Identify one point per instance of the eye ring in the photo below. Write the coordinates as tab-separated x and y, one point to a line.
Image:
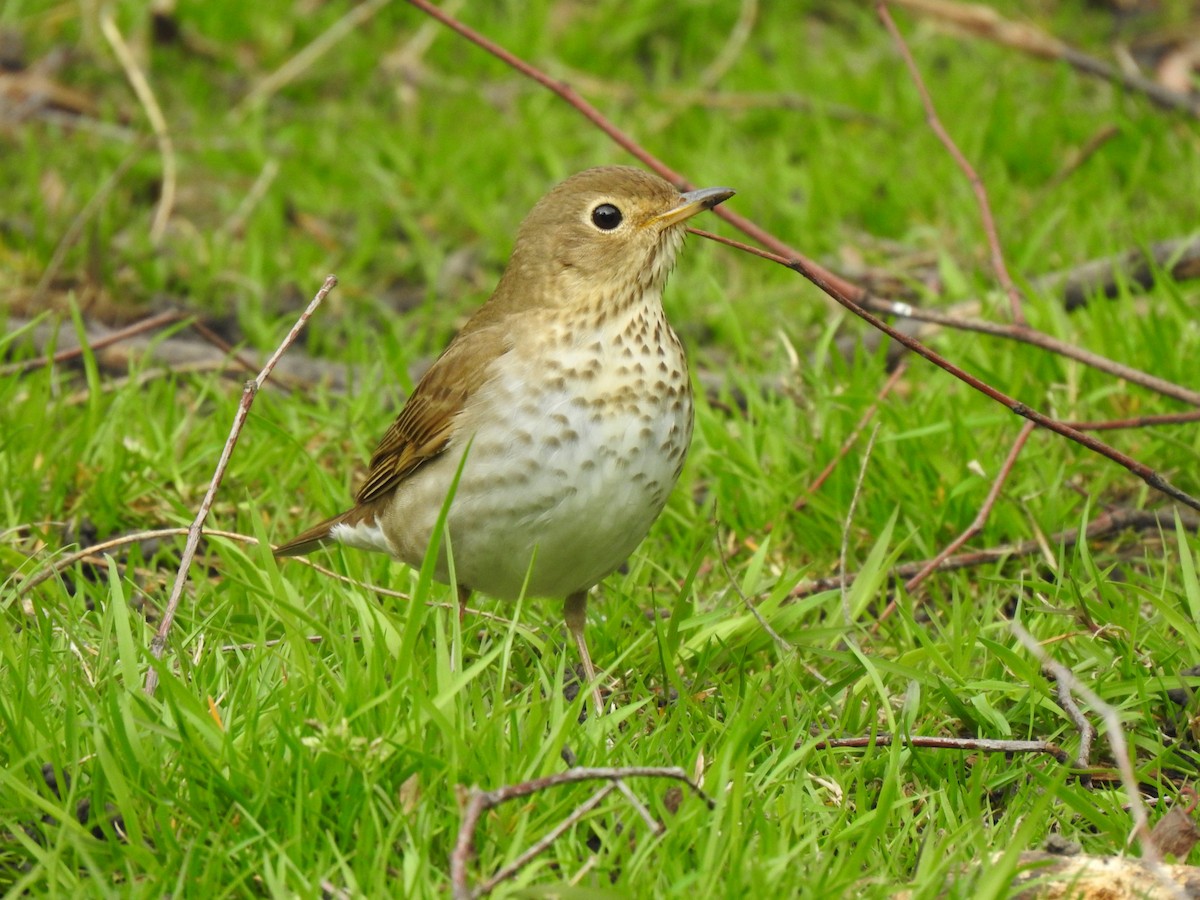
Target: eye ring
606	217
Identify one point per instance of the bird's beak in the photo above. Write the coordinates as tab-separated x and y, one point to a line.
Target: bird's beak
691	203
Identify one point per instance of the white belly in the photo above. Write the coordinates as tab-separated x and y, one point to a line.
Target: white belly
561	483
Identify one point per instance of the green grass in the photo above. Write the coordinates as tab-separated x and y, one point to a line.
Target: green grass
299	767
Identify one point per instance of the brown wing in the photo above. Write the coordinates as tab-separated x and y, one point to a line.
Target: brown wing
420	432
424	426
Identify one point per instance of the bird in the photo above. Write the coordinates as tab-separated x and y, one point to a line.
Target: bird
557	421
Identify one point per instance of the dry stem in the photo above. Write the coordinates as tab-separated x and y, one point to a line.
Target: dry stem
159	643
1106	524
480	802
982	21
984	745
158	122
981	197
1144	472
1115	734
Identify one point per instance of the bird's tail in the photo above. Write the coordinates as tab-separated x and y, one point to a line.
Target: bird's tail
313	539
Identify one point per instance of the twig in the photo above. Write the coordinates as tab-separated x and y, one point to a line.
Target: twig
1087	731
150	323
408	58
158	122
656	827
231	352
627	143
1144	472
984	511
237	221
981	197
986	23
65	562
159	643
541	845
479	802
1078	157
1027	335
732	48
976	526
984	745
310	54
1115	735
1135	269
1102	526
1139	422
750	605
888	385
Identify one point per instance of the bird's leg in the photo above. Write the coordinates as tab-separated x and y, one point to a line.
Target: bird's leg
575	613
464	594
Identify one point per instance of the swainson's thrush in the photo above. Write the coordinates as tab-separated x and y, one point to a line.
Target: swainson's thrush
569	394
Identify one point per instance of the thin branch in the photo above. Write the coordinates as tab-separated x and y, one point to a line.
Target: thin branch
1109	523
1115	734
983	745
541	845
625	142
750	605
305	59
479	802
1087	731
976	526
231	352
732	48
150	323
159	643
977	185
1142	471
984	511
1139	422
984	22
65	562
158	122
1027	335
656	827
1077	158
237	221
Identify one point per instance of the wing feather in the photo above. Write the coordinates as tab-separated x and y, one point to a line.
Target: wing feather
425	425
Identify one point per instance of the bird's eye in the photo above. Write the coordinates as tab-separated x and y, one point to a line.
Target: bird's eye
606	217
